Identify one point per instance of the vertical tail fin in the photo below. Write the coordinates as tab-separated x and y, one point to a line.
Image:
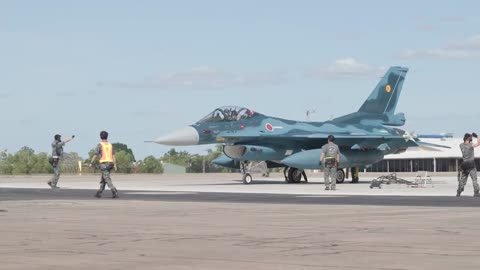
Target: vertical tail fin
384	98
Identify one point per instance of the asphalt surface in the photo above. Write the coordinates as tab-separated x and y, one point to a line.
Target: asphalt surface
26	194
214	222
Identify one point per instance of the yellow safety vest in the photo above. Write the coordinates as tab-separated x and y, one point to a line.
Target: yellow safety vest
107	152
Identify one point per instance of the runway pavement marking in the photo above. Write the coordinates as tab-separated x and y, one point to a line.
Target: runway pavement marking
321	196
161	193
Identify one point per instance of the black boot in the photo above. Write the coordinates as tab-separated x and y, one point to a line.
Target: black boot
114	194
98	194
476	194
458	193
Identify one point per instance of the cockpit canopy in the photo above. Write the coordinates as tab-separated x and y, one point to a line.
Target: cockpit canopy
228	114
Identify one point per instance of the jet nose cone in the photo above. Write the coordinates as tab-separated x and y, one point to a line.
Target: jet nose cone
183	136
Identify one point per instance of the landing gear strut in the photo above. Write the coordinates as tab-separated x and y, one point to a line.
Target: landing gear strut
355	176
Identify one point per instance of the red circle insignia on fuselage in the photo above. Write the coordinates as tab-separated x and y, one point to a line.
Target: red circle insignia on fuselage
268	127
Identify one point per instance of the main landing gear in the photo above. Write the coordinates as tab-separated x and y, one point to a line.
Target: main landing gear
294	175
341	175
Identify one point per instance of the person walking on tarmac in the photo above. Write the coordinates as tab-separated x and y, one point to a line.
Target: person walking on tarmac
468	165
330	158
105	152
57	152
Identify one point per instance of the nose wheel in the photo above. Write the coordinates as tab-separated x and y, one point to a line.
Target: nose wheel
247	179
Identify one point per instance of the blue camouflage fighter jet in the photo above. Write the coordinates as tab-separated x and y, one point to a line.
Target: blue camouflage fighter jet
252	140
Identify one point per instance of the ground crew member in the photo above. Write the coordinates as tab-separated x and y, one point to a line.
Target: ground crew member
330	158
57	152
468	165
105	153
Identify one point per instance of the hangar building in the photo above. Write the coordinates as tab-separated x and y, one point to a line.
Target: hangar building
423	159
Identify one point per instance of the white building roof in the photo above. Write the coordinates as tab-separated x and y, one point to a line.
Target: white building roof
420	152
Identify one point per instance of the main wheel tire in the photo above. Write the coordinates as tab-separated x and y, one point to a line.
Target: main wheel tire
340	176
247	179
295	175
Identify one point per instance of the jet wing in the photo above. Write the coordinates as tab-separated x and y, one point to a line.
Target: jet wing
353	140
302	137
347	136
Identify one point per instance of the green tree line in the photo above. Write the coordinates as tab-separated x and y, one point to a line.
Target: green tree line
195	163
27	161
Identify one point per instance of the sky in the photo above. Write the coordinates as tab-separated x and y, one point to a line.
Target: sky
140	69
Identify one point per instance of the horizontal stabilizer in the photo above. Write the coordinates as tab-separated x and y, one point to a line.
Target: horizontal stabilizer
429	145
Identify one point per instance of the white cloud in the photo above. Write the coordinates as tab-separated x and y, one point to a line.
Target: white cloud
201	78
348	68
464	49
471	43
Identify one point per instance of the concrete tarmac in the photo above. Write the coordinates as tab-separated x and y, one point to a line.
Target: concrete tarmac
159	224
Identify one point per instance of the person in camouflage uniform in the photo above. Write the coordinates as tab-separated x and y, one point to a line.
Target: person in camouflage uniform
468	165
104	151
57	152
330	158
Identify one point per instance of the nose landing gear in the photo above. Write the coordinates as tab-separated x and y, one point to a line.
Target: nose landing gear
250	167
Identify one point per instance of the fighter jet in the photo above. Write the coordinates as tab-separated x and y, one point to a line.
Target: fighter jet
252	140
